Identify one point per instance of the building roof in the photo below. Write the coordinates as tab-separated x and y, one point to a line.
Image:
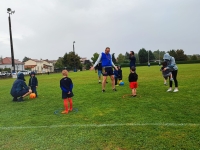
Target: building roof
8	60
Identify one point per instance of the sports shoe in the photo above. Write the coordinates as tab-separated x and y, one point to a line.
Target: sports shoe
175	90
103	91
165	83
20	99
114	89
169	90
171	79
15	99
64	112
71	109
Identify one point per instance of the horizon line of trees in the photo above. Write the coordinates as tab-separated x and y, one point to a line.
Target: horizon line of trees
145	56
72	61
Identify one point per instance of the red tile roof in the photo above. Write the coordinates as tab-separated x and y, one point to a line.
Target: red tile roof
8	60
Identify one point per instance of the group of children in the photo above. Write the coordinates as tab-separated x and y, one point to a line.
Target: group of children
20	89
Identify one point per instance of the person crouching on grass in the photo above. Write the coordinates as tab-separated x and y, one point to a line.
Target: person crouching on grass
20	89
66	86
133	77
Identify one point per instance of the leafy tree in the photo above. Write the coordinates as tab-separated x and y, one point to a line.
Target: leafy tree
72	60
136	57
193	57
180	55
25	59
126	56
120	58
65	60
156	54
143	55
151	56
59	63
113	58
95	57
173	53
87	64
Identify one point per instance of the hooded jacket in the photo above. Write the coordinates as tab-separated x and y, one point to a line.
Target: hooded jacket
171	64
33	80
19	84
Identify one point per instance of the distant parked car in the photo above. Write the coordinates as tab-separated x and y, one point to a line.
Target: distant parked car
25	72
5	73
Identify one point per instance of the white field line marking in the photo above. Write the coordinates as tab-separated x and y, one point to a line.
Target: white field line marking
100	125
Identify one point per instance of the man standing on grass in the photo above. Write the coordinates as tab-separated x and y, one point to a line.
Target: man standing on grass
106	59
132	59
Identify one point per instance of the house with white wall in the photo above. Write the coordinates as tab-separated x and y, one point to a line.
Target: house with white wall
39	66
7	63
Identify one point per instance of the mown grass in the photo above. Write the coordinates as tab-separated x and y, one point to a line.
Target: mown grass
154	119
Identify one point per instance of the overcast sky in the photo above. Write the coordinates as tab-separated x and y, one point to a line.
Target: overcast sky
46	29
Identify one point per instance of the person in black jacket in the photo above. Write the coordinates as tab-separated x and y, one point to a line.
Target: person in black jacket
66	86
33	83
133	77
119	72
132	59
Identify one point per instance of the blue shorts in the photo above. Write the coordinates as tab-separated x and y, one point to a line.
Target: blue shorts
99	73
107	71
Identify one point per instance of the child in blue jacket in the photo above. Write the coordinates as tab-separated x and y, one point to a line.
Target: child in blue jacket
66	86
33	83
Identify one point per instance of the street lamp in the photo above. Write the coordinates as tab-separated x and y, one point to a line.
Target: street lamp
10	12
74	57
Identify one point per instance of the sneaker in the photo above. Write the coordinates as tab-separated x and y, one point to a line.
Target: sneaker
169	90
175	90
165	83
114	89
20	99
103	91
15	99
64	112
71	109
171	79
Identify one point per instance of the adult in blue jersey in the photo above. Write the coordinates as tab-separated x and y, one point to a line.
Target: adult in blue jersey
106	59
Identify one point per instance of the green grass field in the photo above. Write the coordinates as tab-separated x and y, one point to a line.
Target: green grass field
155	119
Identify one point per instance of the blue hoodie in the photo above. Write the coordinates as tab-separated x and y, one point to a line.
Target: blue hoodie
171	64
18	85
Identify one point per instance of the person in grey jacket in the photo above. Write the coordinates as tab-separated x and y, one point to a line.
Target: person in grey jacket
171	65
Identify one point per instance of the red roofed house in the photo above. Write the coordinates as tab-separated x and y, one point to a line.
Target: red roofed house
7	63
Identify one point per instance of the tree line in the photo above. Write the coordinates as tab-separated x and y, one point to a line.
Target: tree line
71	61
